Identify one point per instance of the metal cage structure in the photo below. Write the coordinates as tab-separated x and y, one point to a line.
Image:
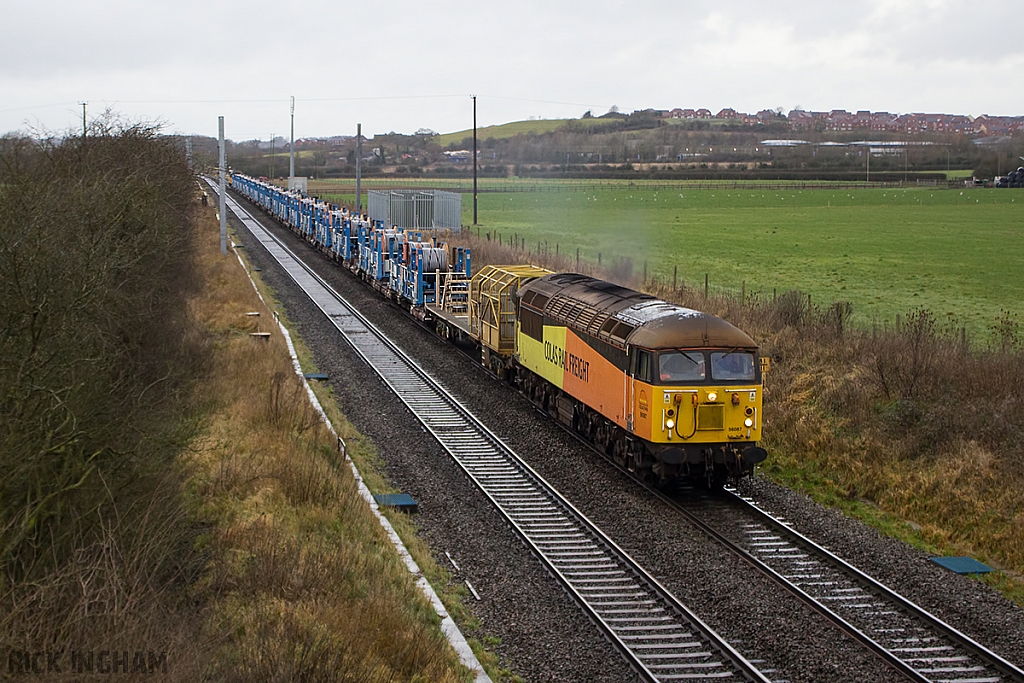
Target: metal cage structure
416	209
492	304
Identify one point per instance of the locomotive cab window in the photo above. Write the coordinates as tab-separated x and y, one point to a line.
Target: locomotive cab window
676	366
735	365
641	365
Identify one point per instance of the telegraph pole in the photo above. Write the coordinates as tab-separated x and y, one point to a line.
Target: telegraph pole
83	118
359	163
474	159
291	154
223	203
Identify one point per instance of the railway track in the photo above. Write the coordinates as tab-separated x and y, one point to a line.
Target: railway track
659	636
907	637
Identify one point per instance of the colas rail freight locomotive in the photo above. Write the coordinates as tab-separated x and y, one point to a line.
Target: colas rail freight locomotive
668	391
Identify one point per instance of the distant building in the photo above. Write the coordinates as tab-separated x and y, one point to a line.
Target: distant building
799	118
840	120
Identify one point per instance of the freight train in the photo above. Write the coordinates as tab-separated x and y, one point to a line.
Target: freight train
669	392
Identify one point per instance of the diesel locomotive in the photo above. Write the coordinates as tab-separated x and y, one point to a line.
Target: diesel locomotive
669	392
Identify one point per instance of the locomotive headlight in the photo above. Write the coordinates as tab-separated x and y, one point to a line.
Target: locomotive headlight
748	423
712	396
670	423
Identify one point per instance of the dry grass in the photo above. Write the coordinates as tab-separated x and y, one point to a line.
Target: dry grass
304	583
903	427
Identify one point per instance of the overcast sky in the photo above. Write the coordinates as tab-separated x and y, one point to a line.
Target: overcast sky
396	65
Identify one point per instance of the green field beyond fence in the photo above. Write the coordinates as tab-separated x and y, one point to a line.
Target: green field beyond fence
959	253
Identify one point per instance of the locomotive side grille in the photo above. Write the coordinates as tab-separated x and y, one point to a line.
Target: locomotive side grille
710	418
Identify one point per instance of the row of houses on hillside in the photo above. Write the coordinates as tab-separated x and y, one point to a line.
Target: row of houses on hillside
764	116
842	120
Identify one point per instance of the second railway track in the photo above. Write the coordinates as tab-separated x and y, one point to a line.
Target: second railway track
909	638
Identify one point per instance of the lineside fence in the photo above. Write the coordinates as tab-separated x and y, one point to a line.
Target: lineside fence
344	187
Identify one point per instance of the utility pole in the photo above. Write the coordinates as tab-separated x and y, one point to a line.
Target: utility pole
359	167
474	159
272	135
83	118
291	154
223	183
868	151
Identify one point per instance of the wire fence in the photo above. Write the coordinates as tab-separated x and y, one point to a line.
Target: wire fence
346	186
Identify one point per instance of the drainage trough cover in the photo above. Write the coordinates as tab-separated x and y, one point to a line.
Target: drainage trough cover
962	565
399	501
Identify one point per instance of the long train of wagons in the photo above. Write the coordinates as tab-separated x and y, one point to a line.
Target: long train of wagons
668	391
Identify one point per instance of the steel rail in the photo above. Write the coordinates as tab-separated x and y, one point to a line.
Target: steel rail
941	666
660	638
763	544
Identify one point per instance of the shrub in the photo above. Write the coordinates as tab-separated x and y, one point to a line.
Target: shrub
95	256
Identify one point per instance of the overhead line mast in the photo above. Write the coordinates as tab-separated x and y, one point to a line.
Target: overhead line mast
291	153
474	159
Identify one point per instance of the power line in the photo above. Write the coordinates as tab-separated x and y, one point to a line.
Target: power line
524	99
41	106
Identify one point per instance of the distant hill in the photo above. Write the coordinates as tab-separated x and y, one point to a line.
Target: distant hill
508	130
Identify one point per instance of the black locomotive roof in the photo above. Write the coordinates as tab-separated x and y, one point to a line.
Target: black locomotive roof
619	315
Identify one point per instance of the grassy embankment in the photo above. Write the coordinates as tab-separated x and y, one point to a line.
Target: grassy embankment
168	489
388	584
304	576
903	427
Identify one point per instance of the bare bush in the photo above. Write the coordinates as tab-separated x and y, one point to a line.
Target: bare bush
96	360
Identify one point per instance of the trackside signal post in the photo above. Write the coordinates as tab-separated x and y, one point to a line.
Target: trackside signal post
223	206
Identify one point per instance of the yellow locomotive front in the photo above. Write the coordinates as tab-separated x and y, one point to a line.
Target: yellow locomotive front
700	409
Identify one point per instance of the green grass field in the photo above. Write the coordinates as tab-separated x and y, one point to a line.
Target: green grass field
886	251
